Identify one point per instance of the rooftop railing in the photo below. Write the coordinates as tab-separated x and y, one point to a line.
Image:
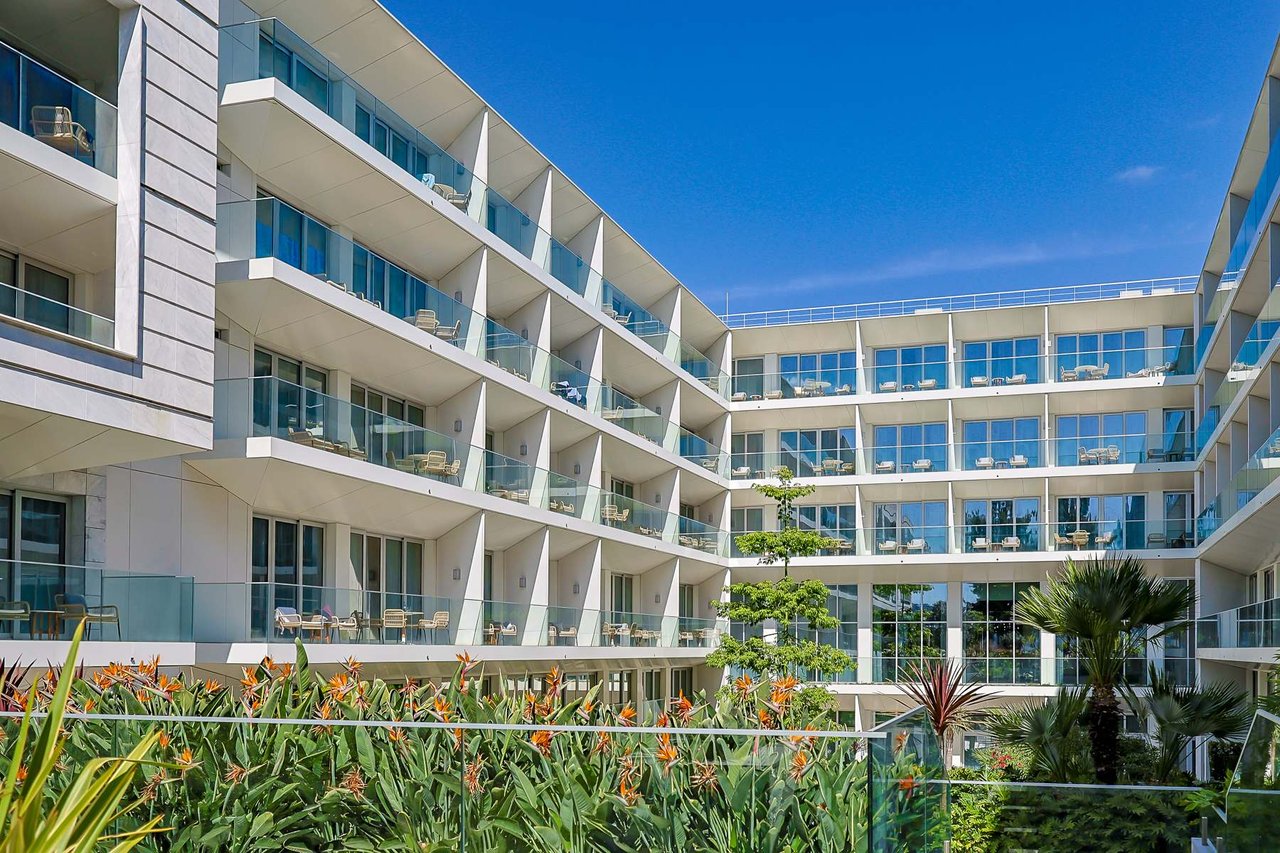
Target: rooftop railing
970	302
43	104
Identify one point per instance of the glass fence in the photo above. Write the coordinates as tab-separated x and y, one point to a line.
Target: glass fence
1258	472
703	369
269	228
995	371
907	459
698	450
1122	448
31	307
43	104
1253	801
1001	453
1137	362
636	517
1001	537
47	601
632	416
1254	626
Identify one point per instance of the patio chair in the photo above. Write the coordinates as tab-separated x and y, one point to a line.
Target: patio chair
1018	460
773	395
623	319
435	462
928	384
1156	540
887	386
1011	543
562	634
1141	373
888	546
1061	542
830	466
507	630
340	624
400	464
844	389
979	382
917	545
844	545
922	465
848	468
395	619
1113	454
741	472
449	333
1102	540
885	467
16	611
980	544
1017	379
317	624
55	126
1085	456
287	619
984	463
615	631
425	320
738	397
74	607
1065	375
455	198
711	463
1079	538
439	621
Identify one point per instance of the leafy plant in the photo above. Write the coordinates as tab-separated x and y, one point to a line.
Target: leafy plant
948	701
77	818
1111	608
1050	732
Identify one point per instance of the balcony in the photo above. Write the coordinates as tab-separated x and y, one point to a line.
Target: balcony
30	308
282	612
46	601
281	143
1259	471
1254	626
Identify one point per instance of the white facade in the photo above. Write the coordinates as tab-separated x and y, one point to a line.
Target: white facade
332	338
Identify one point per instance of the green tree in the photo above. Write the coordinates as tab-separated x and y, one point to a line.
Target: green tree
784	603
1113	609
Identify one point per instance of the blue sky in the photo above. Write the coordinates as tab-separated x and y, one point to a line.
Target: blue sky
850	152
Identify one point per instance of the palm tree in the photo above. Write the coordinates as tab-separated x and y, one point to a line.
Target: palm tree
1183	714
1049	731
1113	609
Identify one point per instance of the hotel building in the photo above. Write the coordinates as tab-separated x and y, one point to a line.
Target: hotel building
299	337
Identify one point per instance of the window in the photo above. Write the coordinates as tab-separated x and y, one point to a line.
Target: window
743	520
911	368
908	625
578	685
1179	529
390	571
653	684
1010	524
621	598
286	570
748	377
38	294
842	603
389	429
918	527
1179	349
998	647
1105	355
622	687
34	535
291	236
1108	438
276	60
818	374
1178	436
1103	521
748	454
1180	645
1006	443
682	682
836	521
811	452
910	447
1010	361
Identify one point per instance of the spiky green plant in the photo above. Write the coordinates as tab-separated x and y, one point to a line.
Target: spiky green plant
1112	609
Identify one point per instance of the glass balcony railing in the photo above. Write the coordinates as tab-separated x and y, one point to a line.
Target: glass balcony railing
269	228
267	406
1122	363
1122	449
997	371
1003	537
701	537
46	601
906	459
698	450
699	633
703	369
511	479
1254	626
632	416
268	49
43	104
623	628
899	378
1259	203
763	465
1002	453
637	517
31	307
1258	472
572	497
790	386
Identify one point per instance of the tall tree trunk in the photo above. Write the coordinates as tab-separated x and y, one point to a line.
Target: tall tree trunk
1103	719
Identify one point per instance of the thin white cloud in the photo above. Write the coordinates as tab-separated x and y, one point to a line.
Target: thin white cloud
1138	174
